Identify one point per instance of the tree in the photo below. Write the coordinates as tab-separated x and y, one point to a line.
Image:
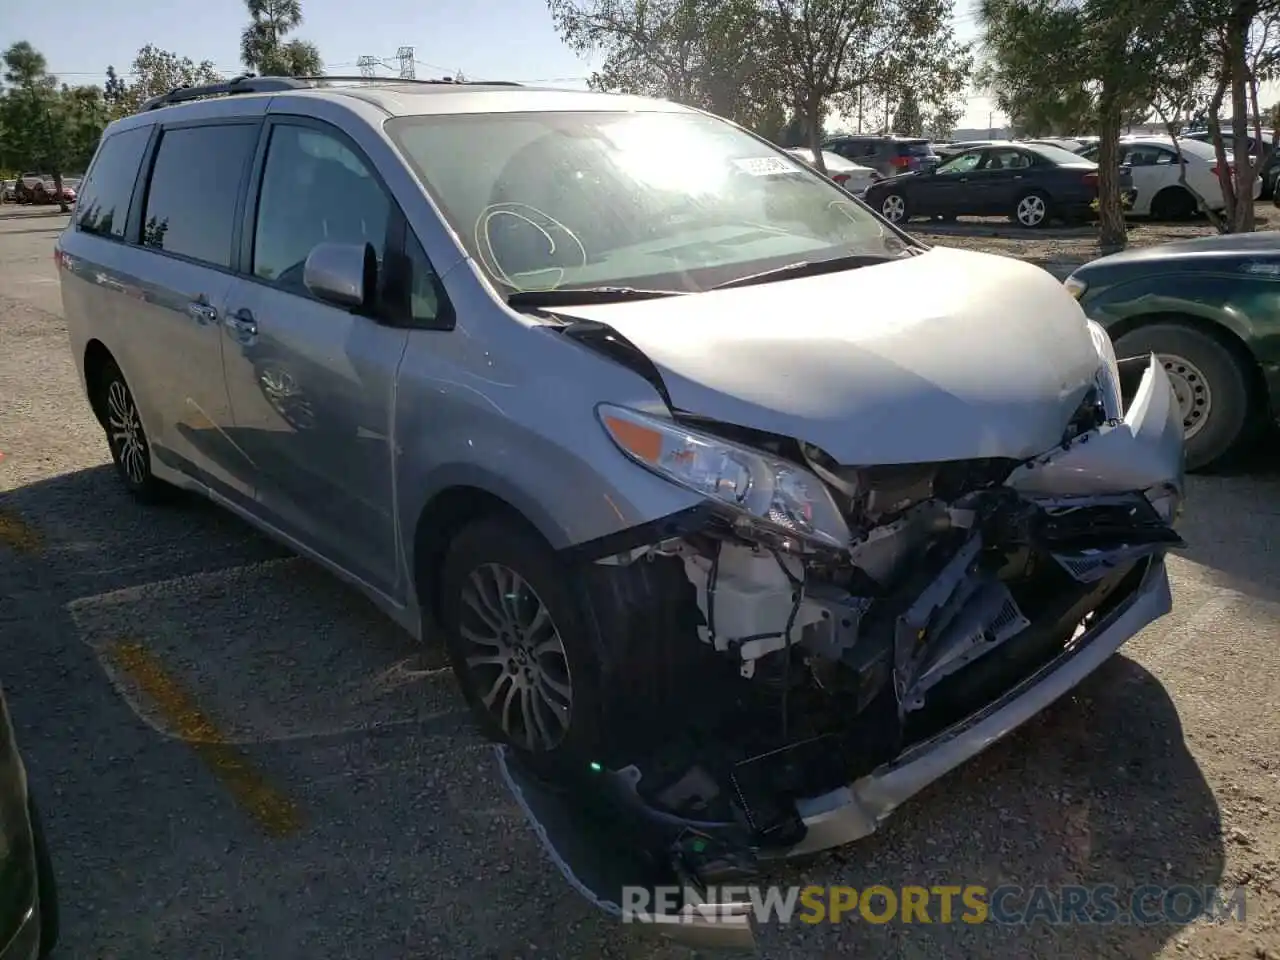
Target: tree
114	90
710	54
157	72
907	119
31	122
1087	62
263	47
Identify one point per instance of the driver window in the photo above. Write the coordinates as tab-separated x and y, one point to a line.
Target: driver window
314	190
961	164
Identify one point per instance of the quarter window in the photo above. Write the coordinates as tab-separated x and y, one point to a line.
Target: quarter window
191	199
102	207
315	189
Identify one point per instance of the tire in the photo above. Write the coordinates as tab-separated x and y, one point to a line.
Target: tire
1032	210
1173	203
46	886
1212	383
628	653
126	438
480	598
893	207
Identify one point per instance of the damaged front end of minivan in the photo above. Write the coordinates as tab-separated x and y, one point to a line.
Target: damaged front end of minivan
866	630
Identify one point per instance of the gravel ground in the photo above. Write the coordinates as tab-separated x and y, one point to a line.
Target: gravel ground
236	757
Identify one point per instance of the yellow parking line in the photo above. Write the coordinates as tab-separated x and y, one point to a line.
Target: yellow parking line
275	813
17	534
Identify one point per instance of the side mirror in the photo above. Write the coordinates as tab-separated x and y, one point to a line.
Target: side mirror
344	274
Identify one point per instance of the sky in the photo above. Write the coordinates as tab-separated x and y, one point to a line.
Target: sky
447	35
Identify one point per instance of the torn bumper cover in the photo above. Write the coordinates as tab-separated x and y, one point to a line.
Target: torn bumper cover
953	624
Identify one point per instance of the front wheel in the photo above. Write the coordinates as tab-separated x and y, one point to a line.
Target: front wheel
1032	210
520	646
894	208
1209	380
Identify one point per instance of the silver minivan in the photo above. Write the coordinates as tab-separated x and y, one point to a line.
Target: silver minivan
743	514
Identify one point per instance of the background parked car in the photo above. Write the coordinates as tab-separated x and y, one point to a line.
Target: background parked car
1209	309
887	155
7	191
852	176
1154	165
946	151
1029	184
1062	143
28	896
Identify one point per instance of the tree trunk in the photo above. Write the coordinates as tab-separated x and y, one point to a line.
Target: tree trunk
1242	188
1215	134
1112	235
813	120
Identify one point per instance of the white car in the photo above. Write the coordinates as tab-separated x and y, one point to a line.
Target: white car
1154	163
852	176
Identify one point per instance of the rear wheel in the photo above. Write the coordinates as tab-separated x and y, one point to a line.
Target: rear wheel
1173	203
126	438
1211	383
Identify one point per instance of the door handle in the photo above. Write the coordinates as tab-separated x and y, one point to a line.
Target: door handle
962	180
201	313
242	325
1018	177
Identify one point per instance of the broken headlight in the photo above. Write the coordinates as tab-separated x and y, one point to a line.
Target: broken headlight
1108	376
769	490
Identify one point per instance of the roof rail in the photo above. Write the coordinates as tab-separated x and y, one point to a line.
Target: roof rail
446	80
251	83
246	83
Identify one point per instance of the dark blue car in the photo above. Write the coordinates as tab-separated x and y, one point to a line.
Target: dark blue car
1029	183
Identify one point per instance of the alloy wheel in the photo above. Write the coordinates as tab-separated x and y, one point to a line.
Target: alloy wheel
1195	398
1031	210
515	657
124	428
893	208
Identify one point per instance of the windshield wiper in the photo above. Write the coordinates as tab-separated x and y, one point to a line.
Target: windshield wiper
582	296
807	268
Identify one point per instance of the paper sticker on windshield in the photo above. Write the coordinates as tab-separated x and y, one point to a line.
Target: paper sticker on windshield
1262	268
765	166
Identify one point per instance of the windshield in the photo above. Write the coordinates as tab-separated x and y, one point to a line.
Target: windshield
660	200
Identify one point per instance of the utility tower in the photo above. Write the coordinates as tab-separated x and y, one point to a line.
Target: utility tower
405	56
368	66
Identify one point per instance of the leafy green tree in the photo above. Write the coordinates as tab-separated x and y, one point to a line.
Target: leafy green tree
263	46
710	54
32	111
907	119
157	72
1087	62
113	91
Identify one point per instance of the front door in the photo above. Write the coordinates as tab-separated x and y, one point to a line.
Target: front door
998	181
188	222
945	191
312	384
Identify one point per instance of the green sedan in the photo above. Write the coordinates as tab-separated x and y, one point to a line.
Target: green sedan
1209	309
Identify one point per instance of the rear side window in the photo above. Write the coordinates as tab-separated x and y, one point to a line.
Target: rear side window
915	148
191	199
103	205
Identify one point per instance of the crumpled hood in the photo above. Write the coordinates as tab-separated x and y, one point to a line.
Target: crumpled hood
948	355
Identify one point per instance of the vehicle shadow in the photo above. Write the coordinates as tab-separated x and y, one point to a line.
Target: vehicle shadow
1064	802
1232	520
